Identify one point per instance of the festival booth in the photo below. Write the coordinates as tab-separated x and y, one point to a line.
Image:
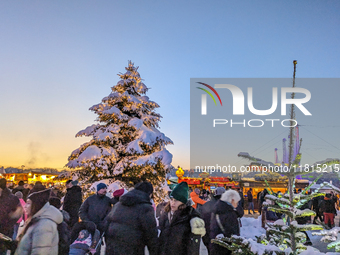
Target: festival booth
275	186
47	177
205	181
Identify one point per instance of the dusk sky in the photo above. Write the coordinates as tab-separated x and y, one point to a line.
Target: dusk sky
58	58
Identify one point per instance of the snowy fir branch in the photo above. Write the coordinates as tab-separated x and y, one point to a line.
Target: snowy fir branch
242	246
332	237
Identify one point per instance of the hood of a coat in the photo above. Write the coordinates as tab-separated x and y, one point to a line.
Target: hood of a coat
222	207
134	197
49	212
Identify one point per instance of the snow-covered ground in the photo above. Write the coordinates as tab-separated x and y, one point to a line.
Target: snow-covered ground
251	227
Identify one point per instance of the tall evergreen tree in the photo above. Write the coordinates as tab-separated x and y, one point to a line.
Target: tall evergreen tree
126	144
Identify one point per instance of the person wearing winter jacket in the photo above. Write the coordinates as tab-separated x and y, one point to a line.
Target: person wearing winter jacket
72	201
96	207
224	220
250	201
196	199
132	223
40	234
206	212
316	202
180	225
262	199
328	208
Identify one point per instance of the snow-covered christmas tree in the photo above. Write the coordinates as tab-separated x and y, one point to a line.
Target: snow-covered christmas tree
126	144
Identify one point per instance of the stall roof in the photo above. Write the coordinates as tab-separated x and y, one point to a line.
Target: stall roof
327	187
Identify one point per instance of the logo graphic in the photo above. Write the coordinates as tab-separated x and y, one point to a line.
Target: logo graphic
204	97
238	99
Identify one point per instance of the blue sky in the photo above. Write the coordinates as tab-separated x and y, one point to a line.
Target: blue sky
61	57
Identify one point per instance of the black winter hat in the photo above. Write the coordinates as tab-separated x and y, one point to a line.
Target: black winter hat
145	187
39	199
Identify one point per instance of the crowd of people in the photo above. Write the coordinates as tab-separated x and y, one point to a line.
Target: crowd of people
40	220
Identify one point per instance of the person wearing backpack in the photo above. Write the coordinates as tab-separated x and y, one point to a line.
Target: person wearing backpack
40	234
64	230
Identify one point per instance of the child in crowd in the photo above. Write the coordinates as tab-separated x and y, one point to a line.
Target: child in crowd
82	244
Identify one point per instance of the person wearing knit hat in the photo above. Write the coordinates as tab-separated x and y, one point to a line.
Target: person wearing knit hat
96	207
40	234
101	186
181	192
180	224
39	199
117	194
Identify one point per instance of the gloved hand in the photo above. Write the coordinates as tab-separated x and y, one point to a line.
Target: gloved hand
219	236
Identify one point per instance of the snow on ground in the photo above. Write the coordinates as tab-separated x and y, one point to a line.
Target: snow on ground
312	251
251	227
